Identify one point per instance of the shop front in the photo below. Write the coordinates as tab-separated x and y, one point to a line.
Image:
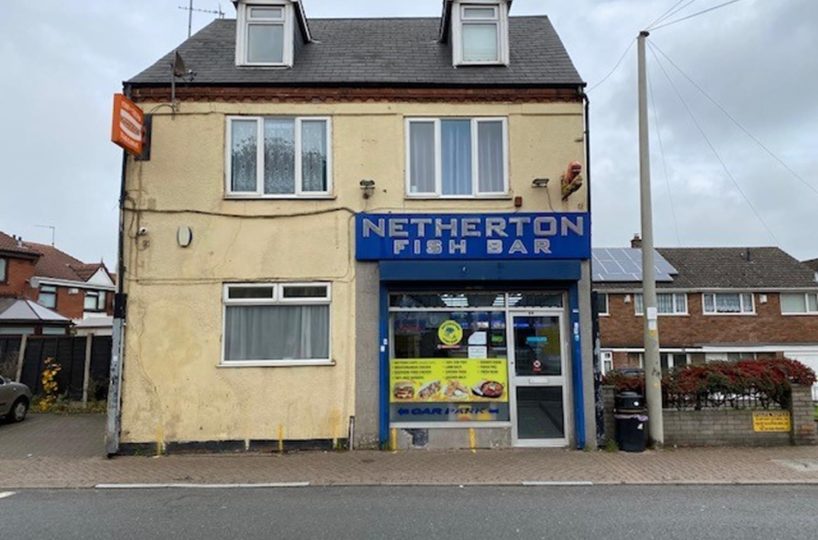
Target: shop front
480	334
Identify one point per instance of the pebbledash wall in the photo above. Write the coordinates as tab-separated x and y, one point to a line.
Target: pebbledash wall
175	389
727	427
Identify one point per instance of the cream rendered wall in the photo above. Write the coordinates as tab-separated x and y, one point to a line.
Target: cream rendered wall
173	389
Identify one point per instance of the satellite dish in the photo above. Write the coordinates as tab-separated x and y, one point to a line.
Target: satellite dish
179	67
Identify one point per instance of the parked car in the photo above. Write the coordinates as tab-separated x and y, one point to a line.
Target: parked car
15	399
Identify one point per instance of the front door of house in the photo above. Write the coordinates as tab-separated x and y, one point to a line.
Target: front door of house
537	375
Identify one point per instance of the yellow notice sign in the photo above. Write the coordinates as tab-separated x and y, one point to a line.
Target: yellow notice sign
448	380
450	332
771	421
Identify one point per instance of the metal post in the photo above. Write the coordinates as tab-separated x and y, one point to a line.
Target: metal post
653	370
21	357
190	19
86	375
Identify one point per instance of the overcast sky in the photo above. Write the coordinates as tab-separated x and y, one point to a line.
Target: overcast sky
61	61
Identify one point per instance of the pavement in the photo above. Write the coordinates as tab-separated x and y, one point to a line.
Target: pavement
50	451
483	512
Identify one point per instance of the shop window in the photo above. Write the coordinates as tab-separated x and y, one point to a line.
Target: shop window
457	157
264	34
728	303
276	324
272	157
666	304
797	303
94	301
48	296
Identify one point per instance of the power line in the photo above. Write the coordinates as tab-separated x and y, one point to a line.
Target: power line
736	122
670	12
618	62
713	148
702	12
664	161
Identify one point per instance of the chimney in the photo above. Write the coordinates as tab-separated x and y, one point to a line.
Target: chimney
636	241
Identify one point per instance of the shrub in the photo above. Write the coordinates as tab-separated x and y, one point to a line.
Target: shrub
735	384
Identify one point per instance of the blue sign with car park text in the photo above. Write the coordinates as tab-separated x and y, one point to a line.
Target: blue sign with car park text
556	235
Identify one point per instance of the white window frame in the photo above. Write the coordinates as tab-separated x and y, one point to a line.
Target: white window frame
676	312
501	20
259	192
4	266
277	298
795	313
740	294
475	165
55	292
100	295
243	20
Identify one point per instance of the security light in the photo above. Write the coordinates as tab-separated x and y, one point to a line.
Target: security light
368	187
540	182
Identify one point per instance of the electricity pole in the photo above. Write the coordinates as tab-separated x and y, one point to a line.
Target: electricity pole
653	369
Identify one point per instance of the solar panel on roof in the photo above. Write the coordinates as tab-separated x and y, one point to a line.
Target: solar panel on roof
625	265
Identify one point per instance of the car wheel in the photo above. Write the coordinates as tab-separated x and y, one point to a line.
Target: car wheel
19	410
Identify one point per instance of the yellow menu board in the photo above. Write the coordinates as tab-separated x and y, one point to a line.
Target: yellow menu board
414	380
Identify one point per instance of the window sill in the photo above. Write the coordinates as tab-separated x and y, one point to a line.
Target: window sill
730	314
500	197
254	197
264	65
807	314
277	363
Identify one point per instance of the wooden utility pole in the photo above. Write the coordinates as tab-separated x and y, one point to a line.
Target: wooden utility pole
653	368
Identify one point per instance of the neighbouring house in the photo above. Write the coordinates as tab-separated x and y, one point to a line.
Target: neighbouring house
812	263
77	291
714	304
20	316
342	235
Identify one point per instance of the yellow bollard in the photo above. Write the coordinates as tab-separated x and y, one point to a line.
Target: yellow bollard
472	441
280	439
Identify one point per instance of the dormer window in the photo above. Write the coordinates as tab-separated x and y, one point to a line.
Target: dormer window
264	34
480	33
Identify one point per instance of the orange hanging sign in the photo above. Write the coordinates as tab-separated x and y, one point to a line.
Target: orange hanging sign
128	123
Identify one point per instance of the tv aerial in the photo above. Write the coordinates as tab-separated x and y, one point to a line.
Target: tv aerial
190	9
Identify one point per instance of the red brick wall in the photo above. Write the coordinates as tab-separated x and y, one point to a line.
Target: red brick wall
622	328
18	274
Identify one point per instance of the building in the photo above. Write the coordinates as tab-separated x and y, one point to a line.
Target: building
77	291
812	263
373	231
715	304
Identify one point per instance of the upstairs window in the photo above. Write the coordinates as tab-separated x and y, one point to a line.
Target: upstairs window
799	303
3	275
728	304
278	157
48	296
94	301
264	34
481	33
666	304
457	157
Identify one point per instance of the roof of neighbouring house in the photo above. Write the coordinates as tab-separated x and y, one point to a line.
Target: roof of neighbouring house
812	263
21	310
730	268
397	51
57	264
11	246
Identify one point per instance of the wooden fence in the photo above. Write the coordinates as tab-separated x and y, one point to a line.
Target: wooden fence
85	363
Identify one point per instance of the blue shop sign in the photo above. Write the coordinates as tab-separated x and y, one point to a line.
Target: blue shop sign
565	235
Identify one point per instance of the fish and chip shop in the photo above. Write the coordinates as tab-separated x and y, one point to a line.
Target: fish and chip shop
483	330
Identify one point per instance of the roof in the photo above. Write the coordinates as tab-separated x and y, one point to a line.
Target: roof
812	263
625	264
403	51
731	268
27	311
11	246
57	264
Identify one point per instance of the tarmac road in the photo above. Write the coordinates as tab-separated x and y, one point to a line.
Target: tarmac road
559	512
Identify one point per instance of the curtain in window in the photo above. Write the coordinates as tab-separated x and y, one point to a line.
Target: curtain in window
812	302
681	303
480	42
456	156
490	156
664	303
793	303
421	157
709	303
265	43
276	333
243	161
728	303
747	302
314	155
279	156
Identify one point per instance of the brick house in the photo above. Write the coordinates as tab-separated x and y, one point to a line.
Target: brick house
715	304
57	281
